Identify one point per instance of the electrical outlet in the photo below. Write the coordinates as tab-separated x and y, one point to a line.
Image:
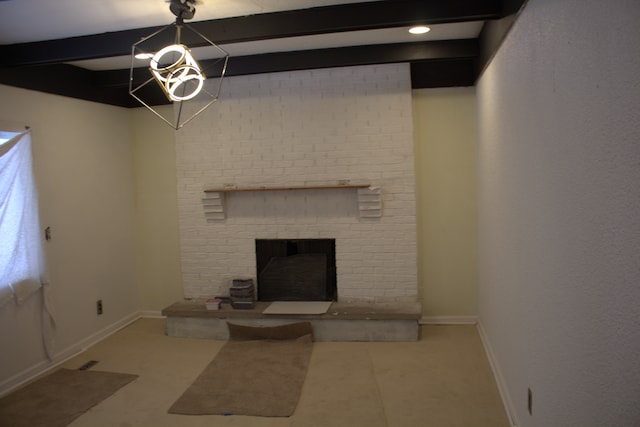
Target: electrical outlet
530	401
99	307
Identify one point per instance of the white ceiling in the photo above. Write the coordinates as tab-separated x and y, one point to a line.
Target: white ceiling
24	21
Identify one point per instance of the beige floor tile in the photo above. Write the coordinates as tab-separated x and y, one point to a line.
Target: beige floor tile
442	380
340	389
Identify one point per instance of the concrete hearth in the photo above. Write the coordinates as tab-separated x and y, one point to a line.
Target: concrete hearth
342	322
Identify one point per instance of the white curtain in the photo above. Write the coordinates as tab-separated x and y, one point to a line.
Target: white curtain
22	264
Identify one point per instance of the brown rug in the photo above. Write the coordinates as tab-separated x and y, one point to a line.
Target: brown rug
59	398
259	372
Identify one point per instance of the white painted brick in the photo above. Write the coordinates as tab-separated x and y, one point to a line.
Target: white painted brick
315	126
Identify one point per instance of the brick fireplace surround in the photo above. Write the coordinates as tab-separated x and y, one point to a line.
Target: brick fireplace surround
303	128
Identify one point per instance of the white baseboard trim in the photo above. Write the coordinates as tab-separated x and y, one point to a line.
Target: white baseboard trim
12	383
448	320
502	385
153	314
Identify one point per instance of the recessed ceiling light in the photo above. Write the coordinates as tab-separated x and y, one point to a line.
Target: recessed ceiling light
144	56
419	30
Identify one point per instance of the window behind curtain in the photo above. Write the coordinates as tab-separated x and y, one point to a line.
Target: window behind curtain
21	254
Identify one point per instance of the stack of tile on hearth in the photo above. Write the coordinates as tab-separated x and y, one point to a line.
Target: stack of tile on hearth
242	294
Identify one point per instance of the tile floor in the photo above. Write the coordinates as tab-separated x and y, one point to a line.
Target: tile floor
442	380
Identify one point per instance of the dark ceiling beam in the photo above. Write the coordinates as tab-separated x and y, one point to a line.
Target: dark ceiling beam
442	61
65	80
455	52
318	20
494	32
445	73
352	56
320	58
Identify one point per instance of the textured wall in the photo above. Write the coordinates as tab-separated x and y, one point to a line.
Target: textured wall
559	213
296	128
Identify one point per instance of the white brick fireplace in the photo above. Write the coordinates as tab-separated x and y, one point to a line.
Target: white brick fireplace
296	129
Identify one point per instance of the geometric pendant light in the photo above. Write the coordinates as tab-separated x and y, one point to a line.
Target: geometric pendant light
163	66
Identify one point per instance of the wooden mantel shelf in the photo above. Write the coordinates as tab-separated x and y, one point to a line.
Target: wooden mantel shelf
305	187
369	199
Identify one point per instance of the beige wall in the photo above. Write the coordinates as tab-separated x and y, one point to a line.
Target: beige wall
158	272
83	170
445	132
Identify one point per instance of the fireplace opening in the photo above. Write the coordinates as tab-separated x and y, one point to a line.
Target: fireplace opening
296	269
